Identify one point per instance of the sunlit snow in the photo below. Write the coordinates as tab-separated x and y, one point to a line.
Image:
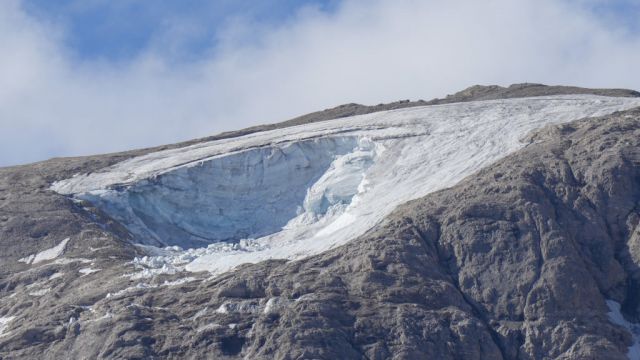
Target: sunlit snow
88	271
4	323
616	317
298	191
40	292
48	254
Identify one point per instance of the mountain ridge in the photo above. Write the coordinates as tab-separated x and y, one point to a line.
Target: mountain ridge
472	93
519	260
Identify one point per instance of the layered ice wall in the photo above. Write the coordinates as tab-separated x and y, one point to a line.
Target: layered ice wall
246	194
298	191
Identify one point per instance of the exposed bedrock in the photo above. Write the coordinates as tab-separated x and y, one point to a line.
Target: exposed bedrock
522	260
515	262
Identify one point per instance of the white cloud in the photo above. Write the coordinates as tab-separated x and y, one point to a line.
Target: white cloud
367	52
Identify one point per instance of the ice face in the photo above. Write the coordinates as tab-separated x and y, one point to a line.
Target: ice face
247	194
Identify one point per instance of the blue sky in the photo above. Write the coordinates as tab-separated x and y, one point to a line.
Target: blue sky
119	30
89	76
622	13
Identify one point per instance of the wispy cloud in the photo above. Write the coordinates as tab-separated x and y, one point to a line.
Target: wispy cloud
52	104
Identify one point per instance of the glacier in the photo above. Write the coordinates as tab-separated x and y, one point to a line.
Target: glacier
298	191
247	194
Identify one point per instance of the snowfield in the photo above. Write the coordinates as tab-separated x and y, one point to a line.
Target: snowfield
48	254
298	191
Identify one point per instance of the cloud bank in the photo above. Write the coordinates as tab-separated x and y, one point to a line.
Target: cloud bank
52	104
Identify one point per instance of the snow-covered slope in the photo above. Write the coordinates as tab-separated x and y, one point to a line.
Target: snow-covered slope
298	191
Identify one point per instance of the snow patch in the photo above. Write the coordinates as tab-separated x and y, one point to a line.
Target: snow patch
143	285
222	309
616	317
39	292
200	313
92	249
275	304
27	259
107	315
208	327
180	281
4	323
45	255
242	307
56	275
87	271
65	261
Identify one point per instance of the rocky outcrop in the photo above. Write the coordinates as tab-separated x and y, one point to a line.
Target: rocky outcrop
515	262
473	93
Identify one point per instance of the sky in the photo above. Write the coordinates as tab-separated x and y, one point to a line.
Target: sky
81	77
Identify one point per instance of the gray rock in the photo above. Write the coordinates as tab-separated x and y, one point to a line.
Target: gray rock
515	262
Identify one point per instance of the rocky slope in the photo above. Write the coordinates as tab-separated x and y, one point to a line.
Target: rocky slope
515	262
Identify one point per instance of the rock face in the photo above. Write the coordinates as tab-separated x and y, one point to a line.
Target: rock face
515	262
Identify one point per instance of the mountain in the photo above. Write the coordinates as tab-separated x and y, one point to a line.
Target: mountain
496	223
